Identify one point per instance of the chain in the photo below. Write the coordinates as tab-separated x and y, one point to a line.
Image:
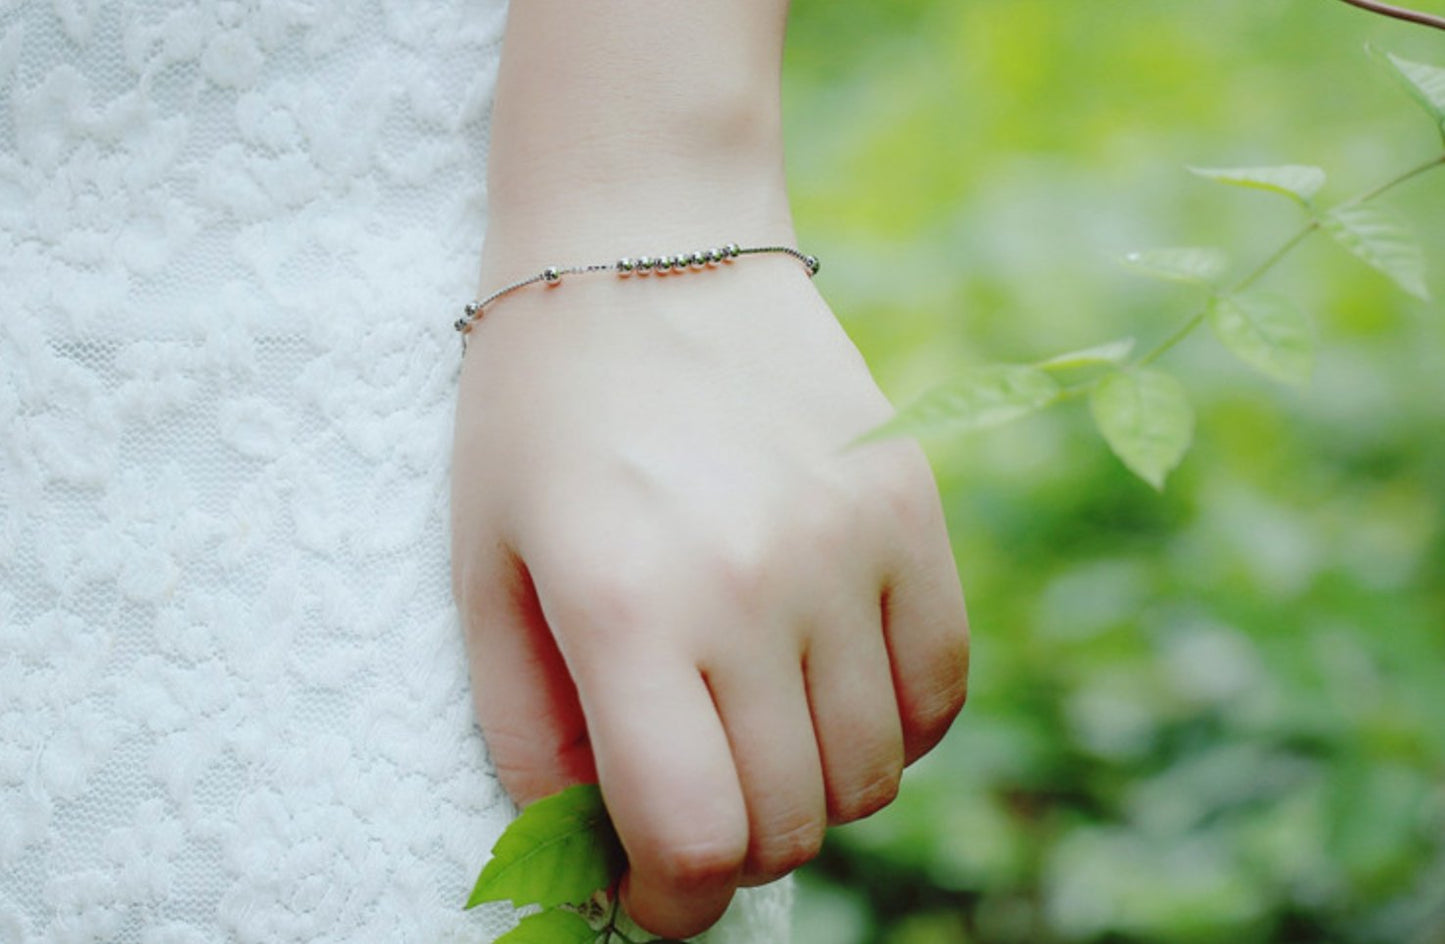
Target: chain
629	266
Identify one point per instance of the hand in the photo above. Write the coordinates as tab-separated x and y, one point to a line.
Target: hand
678	579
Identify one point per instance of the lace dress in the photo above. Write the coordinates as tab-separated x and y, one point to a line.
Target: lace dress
233	699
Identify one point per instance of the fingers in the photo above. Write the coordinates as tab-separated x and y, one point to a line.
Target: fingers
723	754
855	715
526	703
764	709
924	621
671	787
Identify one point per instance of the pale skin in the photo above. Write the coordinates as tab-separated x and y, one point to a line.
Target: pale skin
677	577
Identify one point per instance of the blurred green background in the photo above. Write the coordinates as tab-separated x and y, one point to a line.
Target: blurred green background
1212	715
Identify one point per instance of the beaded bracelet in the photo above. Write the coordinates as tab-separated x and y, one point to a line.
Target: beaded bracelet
627	266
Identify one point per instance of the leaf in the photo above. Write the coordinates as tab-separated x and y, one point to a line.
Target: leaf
560	850
1111	352
990	396
1145	417
1379	238
1296	181
1425	82
1266	332
1195	265
554	926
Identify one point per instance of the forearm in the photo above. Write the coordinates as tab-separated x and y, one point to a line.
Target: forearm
624	128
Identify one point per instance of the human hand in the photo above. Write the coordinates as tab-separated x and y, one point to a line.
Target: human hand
678	579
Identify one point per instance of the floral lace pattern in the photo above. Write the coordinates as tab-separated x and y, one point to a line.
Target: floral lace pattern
233	698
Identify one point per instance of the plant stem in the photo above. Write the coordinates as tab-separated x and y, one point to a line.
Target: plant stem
1285	248
611	926
1163	347
1396	181
613	931
1399	13
1275	258
1187	328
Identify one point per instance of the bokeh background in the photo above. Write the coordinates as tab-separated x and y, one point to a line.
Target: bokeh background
1216	714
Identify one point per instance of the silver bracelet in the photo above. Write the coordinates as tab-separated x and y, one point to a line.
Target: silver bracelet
628	266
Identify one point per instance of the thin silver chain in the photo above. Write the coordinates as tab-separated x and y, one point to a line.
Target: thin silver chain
632	266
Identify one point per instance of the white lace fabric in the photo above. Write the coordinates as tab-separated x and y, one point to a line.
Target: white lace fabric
233	698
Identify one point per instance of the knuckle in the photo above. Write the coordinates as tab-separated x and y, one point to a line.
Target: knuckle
744	570
825	517
909	491
875	793
595	588
932	710
532	765
948	696
694	863
953	669
832	514
782	851
524	782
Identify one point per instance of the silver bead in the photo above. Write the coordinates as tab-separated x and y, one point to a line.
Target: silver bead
714	256
624	266
552	275
664	263
462	324
812	263
645	264
473	309
699	259
733	250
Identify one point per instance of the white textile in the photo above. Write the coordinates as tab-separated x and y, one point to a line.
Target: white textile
233	699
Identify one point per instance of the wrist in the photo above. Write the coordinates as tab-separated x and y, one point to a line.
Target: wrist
599	199
602	230
614	134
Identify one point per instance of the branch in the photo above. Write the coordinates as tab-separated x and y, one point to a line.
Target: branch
1197	319
1400	13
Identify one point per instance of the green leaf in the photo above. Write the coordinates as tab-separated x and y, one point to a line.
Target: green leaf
1382	240
990	396
1195	265
550	927
1145	417
1425	82
1267	332
560	850
1111	352
1296	181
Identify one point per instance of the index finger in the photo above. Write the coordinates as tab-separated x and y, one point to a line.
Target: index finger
669	780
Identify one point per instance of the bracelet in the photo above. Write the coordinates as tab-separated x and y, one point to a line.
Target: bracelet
627	266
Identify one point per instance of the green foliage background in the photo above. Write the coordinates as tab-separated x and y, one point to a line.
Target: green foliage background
1216	714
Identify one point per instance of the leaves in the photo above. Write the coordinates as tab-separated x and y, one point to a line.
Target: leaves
1145	417
1379	238
1267	332
1194	265
1425	82
554	926
990	396
561	850
1111	352
1297	181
